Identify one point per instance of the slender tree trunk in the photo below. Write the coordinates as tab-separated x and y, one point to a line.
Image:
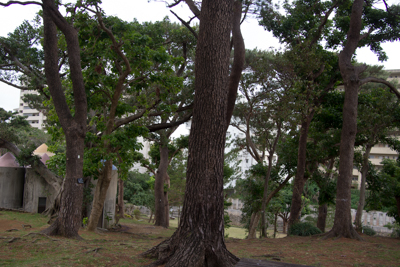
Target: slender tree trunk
275	221
342	226
361	202
322	213
398	204
199	240
300	179
285	225
120	207
255	217
168	184
100	195
263	226
160	201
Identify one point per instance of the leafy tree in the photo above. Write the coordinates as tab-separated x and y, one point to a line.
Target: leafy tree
263	113
138	190
367	26
384	189
303	28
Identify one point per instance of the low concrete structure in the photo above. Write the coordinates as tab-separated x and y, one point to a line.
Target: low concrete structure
38	194
11	187
12	178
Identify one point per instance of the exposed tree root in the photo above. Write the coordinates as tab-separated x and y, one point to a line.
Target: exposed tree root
41	234
350	233
13	239
191	251
55	230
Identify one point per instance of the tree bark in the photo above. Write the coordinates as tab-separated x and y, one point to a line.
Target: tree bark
160	201
69	220
361	202
322	213
300	179
199	240
398	205
99	196
342	226
121	205
255	217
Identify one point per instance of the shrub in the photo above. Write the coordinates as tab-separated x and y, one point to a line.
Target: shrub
304	229
137	214
368	231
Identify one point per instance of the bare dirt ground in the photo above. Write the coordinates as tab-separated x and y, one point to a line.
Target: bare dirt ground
122	248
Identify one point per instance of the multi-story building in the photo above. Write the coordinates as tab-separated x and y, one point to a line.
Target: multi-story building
379	151
33	116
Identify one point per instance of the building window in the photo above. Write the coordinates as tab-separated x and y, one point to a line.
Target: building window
354	178
247	161
371	157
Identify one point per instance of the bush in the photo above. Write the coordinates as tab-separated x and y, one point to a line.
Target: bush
137	214
368	231
304	229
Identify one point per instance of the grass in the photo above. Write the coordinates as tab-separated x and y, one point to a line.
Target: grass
123	248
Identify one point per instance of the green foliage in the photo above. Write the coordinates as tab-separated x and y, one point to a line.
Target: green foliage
368	230
384	188
138	189
304	229
396	229
137	214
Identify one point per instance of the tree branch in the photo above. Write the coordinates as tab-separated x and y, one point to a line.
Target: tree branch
186	24
9	3
160	126
193	8
378	80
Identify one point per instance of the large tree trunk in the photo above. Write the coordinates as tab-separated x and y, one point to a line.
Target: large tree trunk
99	197
361	202
69	220
300	179
69	217
160	201
322	213
342	226
199	240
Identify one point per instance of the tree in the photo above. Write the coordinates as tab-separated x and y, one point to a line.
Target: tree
199	240
303	28
383	31
384	189
263	113
376	109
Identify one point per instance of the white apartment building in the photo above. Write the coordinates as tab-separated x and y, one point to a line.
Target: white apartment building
33	116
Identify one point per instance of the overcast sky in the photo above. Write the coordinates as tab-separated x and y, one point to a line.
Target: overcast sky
254	35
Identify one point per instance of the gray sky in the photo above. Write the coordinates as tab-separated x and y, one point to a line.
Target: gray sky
254	35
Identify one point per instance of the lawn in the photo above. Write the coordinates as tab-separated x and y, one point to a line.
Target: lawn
25	247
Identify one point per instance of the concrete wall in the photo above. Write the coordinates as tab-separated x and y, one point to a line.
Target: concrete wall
35	187
11	187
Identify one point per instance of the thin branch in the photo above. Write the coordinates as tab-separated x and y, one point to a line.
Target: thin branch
193	8
14	85
186	24
160	126
9	3
174	4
